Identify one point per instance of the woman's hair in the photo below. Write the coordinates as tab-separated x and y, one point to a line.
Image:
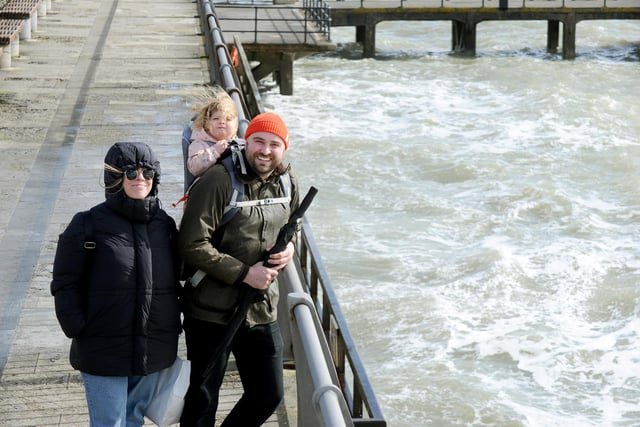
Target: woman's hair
117	183
210	100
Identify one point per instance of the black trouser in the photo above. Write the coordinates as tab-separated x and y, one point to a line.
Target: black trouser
258	354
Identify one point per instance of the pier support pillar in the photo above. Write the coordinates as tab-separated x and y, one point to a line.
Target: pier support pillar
280	66
553	31
360	29
569	37
463	38
369	42
284	74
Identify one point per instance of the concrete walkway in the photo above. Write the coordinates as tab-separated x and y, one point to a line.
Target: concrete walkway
96	72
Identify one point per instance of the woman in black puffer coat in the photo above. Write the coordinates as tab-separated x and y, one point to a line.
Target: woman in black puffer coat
115	283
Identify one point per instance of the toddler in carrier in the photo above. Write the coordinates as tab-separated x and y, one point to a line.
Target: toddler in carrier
215	124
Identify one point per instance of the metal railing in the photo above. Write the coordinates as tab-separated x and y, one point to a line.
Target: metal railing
501	4
352	376
320	13
303	23
335	384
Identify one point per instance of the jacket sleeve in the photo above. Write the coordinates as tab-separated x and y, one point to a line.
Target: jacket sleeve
67	285
200	220
201	155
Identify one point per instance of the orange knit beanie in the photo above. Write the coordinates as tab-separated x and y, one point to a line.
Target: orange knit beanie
268	122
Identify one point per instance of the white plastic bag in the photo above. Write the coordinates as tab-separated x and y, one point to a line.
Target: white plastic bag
166	405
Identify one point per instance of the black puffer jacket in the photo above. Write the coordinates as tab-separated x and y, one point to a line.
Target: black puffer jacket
122	312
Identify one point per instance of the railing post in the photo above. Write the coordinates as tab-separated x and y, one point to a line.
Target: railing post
255	24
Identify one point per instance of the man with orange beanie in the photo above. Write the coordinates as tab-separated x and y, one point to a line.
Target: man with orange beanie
232	255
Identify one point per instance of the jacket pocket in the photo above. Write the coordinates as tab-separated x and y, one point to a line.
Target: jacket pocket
215	296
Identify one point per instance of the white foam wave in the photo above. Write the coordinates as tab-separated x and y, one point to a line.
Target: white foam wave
479	220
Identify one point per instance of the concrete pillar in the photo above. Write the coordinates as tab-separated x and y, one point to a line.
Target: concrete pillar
457	36
463	37
15	47
42	8
25	34
553	31
360	30
470	39
569	37
34	21
285	74
5	57
369	42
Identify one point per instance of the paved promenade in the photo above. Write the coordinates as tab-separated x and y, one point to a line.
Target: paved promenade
96	72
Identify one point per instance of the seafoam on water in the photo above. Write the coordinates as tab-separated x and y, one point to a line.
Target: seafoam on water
479	219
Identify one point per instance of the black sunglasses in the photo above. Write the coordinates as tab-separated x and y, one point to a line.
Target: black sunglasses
132	174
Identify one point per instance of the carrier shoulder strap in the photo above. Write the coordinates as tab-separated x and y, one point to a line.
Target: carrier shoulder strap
185	141
236	201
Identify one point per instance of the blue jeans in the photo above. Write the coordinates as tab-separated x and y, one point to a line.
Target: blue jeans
117	401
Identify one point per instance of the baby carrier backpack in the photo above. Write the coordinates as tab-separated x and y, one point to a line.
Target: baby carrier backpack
229	158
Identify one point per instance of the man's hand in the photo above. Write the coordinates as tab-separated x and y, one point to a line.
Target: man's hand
260	277
281	259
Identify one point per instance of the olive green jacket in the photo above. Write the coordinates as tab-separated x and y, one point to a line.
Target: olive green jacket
226	253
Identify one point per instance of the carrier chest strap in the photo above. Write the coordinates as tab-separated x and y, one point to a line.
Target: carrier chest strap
259	202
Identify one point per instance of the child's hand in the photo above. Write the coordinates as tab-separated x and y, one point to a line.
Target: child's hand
221	146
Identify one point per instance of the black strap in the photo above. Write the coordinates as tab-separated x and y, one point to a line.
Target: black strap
89	246
89	241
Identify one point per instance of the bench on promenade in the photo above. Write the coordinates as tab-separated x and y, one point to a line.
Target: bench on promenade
18	18
9	40
26	10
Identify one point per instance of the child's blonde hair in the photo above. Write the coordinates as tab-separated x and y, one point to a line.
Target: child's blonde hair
213	99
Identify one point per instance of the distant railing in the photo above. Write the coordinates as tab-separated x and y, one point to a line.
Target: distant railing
500	4
313	19
320	14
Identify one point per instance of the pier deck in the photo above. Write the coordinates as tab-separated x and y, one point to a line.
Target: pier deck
96	72
466	14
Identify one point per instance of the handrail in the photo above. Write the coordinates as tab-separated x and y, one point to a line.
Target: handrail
360	405
324	403
360	397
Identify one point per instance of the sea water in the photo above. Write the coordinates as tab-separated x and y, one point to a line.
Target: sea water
480	218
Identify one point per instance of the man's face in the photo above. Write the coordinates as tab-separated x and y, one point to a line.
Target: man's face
264	152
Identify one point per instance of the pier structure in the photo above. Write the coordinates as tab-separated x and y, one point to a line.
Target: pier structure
276	33
465	15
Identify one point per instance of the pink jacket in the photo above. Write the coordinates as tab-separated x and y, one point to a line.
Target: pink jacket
204	151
